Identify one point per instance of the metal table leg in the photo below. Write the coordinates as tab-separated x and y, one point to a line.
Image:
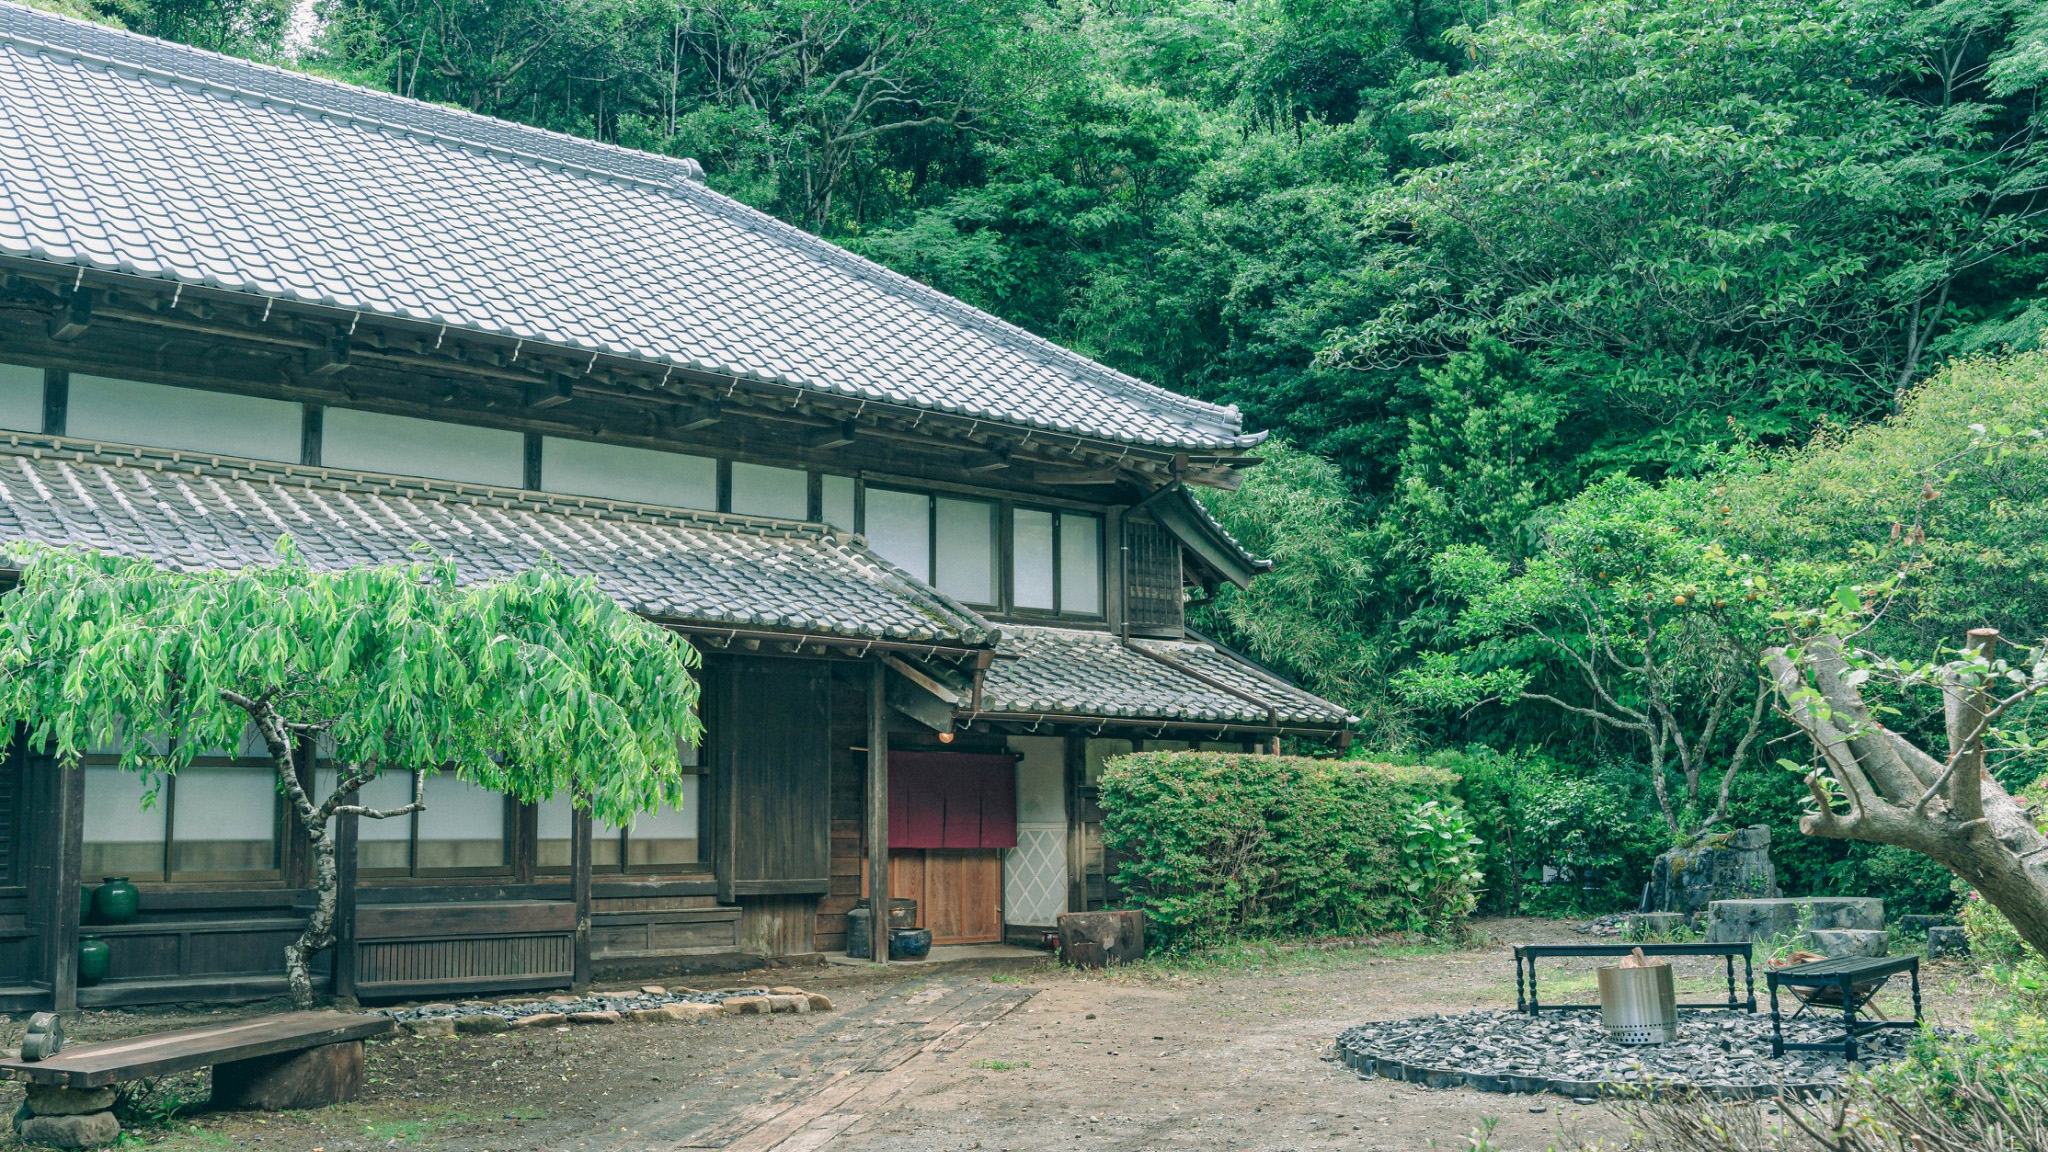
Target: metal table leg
1848	1019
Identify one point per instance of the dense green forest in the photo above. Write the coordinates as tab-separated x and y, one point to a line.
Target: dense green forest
1513	283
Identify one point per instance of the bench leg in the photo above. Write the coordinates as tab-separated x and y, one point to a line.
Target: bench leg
1848	1020
1777	1021
314	1078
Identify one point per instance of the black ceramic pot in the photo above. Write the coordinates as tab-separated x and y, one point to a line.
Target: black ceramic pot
910	943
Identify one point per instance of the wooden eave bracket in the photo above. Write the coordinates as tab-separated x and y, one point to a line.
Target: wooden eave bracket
553	392
73	317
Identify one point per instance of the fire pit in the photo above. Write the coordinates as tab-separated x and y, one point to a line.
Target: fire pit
1638	1001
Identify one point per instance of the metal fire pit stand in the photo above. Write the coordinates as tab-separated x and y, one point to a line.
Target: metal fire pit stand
1526	955
1842	976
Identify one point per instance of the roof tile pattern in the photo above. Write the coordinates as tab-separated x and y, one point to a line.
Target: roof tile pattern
192	512
1069	671
122	153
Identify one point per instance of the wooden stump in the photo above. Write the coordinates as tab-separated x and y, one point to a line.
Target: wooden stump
314	1078
1096	939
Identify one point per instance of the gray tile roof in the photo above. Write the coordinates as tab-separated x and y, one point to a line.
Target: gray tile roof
1071	671
193	511
122	153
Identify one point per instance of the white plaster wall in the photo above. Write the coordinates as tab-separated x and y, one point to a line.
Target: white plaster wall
187	419
616	472
1035	871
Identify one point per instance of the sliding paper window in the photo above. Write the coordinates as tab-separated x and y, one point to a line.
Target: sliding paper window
217	820
667	840
947	541
1056	563
463	830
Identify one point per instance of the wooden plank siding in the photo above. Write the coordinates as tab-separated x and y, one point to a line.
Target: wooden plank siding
772	757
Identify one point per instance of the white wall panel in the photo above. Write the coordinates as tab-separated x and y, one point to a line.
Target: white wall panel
21	398
404	446
759	490
581	468
187	419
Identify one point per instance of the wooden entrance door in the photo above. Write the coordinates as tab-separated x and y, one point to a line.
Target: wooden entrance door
959	892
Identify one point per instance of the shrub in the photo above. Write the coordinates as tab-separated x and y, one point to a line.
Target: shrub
1220	844
1532	813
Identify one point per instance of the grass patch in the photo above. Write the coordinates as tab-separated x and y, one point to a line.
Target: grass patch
1269	956
1002	1065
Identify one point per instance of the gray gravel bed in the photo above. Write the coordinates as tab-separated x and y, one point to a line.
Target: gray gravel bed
620	1002
1724	1054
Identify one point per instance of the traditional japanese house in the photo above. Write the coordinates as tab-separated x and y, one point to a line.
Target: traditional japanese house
936	565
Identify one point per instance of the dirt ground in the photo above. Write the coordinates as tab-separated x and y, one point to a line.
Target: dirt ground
1229	1056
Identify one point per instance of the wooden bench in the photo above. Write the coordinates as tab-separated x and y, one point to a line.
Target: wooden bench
296	1060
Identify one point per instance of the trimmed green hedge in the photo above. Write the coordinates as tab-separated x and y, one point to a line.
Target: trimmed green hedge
1220	844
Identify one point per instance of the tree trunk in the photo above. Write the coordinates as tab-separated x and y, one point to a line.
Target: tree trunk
319	933
1951	811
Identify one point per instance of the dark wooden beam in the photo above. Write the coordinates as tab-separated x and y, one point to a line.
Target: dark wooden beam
56	401
329	359
344	962
67	821
1070	476
73	317
878	813
987	461
579	887
698	416
837	436
553	392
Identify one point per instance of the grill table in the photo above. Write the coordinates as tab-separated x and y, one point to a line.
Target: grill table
1527	954
1841	976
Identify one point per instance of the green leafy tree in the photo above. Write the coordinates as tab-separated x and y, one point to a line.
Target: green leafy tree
1692	212
534	686
1633	615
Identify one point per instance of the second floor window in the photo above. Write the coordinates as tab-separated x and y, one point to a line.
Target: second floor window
948	542
1056	562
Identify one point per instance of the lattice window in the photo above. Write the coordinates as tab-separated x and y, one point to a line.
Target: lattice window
1152	597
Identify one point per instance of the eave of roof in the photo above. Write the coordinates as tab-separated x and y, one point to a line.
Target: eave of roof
1181	513
697	570
1064	674
1168	420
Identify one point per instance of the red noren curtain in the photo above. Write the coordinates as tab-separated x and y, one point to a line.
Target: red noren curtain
952	800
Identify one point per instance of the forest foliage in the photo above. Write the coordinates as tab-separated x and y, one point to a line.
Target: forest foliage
1516	284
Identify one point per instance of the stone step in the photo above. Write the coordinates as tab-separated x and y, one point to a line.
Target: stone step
1733	921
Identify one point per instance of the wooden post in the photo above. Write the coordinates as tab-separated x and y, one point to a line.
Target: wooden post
878	813
68	823
346	828
1077	841
579	888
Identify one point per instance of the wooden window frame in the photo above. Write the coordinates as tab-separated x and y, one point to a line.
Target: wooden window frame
1059	595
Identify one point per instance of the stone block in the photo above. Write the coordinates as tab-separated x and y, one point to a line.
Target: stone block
541	1020
653	990
1856	942
313	1078
786	990
648	1015
1728	866
430	1026
88	1130
785	1002
564	998
1734	921
606	1016
746	1005
819	1001
56	1100
1644	925
1945	941
690	1013
482	1024
1096	939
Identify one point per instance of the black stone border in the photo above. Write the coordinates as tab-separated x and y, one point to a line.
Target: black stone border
1387	1068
